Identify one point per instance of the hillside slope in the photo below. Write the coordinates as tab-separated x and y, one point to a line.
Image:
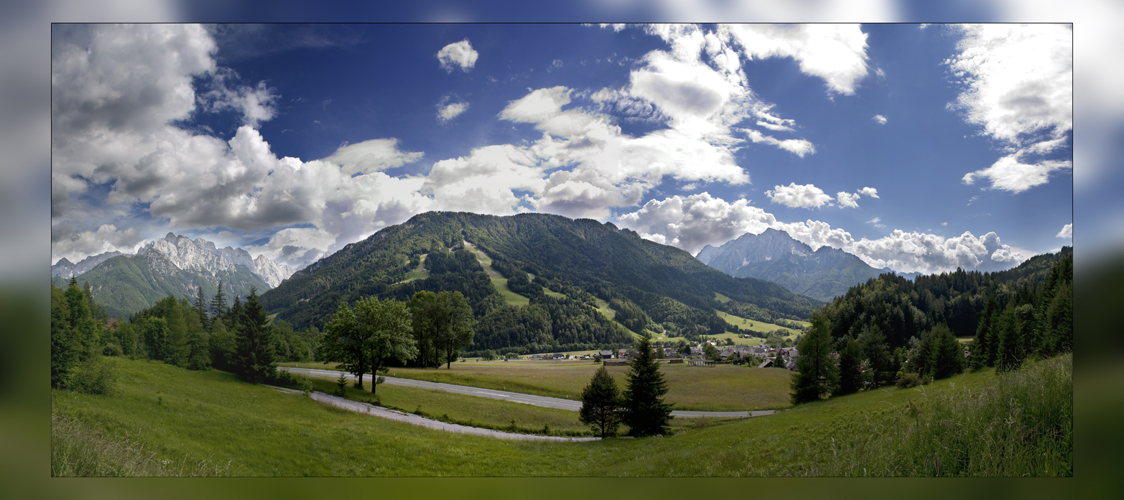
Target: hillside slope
652	286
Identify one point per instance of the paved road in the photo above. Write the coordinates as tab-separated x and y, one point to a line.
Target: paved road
409	418
544	401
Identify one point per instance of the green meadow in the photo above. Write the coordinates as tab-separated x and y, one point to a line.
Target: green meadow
974	424
718	388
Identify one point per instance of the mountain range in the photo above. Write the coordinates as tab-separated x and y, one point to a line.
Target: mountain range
172	265
543	257
777	257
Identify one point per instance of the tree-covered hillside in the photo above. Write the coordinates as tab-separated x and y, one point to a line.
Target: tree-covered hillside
656	287
902	309
127	284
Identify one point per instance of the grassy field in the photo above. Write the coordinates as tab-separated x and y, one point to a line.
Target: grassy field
498	280
973	424
417	274
719	388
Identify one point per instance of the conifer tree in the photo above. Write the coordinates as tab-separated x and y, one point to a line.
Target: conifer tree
255	342
645	413
201	308
946	357
218	306
601	405
817	374
850	367
64	346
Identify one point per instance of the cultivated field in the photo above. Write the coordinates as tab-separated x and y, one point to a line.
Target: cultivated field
719	388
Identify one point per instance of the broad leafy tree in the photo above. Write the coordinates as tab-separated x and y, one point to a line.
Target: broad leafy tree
601	404
817	374
343	343
388	333
645	413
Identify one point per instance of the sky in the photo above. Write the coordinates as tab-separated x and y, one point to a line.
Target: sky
922	148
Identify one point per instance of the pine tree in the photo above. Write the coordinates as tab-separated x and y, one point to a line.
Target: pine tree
218	306
645	413
946	357
64	345
601	405
201	308
817	374
983	351
850	367
255	342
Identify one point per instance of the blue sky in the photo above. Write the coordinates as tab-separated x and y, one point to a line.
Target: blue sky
909	146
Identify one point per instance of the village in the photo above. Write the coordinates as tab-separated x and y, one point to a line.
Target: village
761	356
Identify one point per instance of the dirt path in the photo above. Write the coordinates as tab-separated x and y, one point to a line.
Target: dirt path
409	418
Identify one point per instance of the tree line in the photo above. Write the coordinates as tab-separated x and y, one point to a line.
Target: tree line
866	339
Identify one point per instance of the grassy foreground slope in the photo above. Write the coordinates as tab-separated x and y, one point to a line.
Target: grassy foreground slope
975	424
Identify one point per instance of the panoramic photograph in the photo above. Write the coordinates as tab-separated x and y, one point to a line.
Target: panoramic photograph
561	250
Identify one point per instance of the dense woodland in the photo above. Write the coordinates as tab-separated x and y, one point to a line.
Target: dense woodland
892	330
650	287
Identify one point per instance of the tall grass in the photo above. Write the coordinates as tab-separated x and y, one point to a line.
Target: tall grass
80	450
1021	424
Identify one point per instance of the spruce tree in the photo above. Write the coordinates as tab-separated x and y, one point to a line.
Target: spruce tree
946	357
601	405
645	413
64	345
850	367
817	374
218	306
255	342
201	308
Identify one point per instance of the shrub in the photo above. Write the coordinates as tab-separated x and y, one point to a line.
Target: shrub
96	375
112	350
909	380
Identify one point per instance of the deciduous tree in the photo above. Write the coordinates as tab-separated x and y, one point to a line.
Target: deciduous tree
389	333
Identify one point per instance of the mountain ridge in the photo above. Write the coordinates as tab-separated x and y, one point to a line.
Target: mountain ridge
661	288
776	256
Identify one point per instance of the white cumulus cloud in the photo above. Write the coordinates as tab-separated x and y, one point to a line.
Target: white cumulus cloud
846	199
459	54
446	112
1018	86
834	52
869	191
880	119
1010	174
798	196
692	222
1066	232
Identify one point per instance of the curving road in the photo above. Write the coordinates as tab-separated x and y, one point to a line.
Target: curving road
515	397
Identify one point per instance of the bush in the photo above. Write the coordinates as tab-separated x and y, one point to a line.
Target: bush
96	375
112	350
908	380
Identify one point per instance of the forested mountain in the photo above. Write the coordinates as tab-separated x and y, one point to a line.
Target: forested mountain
775	256
901	309
173	265
650	286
